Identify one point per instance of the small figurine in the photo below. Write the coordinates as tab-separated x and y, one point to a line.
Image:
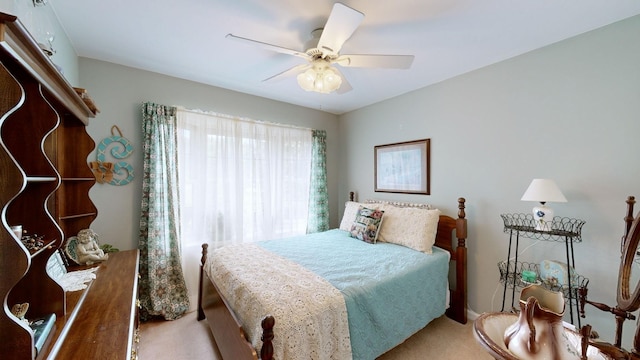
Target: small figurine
20	310
87	249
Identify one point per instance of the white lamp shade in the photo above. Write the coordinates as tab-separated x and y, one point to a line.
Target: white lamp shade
543	190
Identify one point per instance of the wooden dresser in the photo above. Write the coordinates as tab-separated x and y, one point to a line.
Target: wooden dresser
104	323
44	188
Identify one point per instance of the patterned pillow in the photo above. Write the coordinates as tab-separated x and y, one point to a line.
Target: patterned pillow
367	224
411	227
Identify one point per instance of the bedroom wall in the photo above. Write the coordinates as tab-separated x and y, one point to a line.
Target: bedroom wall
39	20
119	92
569	111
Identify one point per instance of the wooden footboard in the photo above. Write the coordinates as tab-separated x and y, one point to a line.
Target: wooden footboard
232	341
230	338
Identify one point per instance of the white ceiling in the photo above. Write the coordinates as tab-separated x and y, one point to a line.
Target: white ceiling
186	39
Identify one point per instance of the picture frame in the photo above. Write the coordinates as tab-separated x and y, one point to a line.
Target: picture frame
403	167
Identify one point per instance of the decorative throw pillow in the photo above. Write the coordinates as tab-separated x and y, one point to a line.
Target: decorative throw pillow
367	224
411	227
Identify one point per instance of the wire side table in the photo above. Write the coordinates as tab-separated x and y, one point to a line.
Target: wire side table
563	229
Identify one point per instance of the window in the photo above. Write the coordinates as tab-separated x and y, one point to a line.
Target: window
241	180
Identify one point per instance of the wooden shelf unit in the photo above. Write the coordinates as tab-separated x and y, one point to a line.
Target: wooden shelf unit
45	182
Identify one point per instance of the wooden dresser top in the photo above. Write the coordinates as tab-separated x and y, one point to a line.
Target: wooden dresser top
105	319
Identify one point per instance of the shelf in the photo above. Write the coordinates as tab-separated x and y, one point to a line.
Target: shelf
44	247
71	217
513	274
42	179
562	228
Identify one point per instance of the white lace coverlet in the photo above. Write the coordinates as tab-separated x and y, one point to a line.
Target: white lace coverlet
310	314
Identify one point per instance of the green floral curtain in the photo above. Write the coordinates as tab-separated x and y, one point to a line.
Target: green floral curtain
318	196
163	291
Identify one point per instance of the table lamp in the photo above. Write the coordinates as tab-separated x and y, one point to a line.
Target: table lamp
543	191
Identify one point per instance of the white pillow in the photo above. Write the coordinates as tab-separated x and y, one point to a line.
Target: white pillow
349	215
411	227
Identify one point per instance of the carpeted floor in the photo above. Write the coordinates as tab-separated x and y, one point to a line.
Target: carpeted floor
189	339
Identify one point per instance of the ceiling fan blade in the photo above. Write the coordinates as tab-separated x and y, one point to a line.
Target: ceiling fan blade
271	47
287	73
376	61
342	22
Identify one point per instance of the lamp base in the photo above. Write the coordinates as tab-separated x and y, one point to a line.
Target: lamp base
543	215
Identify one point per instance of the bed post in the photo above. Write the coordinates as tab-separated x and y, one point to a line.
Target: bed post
205	248
458	308
266	352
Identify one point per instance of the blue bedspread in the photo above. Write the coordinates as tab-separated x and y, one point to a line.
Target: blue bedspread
390	291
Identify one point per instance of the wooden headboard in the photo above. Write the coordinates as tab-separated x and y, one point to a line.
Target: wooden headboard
447	226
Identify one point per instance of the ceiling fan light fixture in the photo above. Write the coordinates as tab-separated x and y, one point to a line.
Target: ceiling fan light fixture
320	78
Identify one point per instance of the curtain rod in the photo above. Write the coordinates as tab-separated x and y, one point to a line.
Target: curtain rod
245	119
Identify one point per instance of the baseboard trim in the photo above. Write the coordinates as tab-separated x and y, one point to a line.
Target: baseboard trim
472	315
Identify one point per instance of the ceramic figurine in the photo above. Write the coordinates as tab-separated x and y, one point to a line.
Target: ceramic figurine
87	249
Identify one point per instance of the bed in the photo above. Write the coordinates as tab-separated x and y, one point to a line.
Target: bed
331	295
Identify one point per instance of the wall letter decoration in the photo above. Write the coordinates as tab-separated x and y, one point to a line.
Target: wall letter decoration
121	148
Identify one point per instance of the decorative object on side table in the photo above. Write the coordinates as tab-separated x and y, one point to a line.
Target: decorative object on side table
556	273
529	276
543	191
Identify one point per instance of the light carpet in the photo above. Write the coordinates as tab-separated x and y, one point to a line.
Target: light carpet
189	339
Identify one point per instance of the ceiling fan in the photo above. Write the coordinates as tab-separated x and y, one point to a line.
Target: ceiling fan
323	50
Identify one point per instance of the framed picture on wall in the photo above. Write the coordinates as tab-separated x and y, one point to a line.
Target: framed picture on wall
402	167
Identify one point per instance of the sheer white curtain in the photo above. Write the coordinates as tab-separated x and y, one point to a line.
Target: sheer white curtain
240	181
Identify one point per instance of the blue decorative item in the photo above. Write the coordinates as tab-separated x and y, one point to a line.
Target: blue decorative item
104	170
117	153
556	273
